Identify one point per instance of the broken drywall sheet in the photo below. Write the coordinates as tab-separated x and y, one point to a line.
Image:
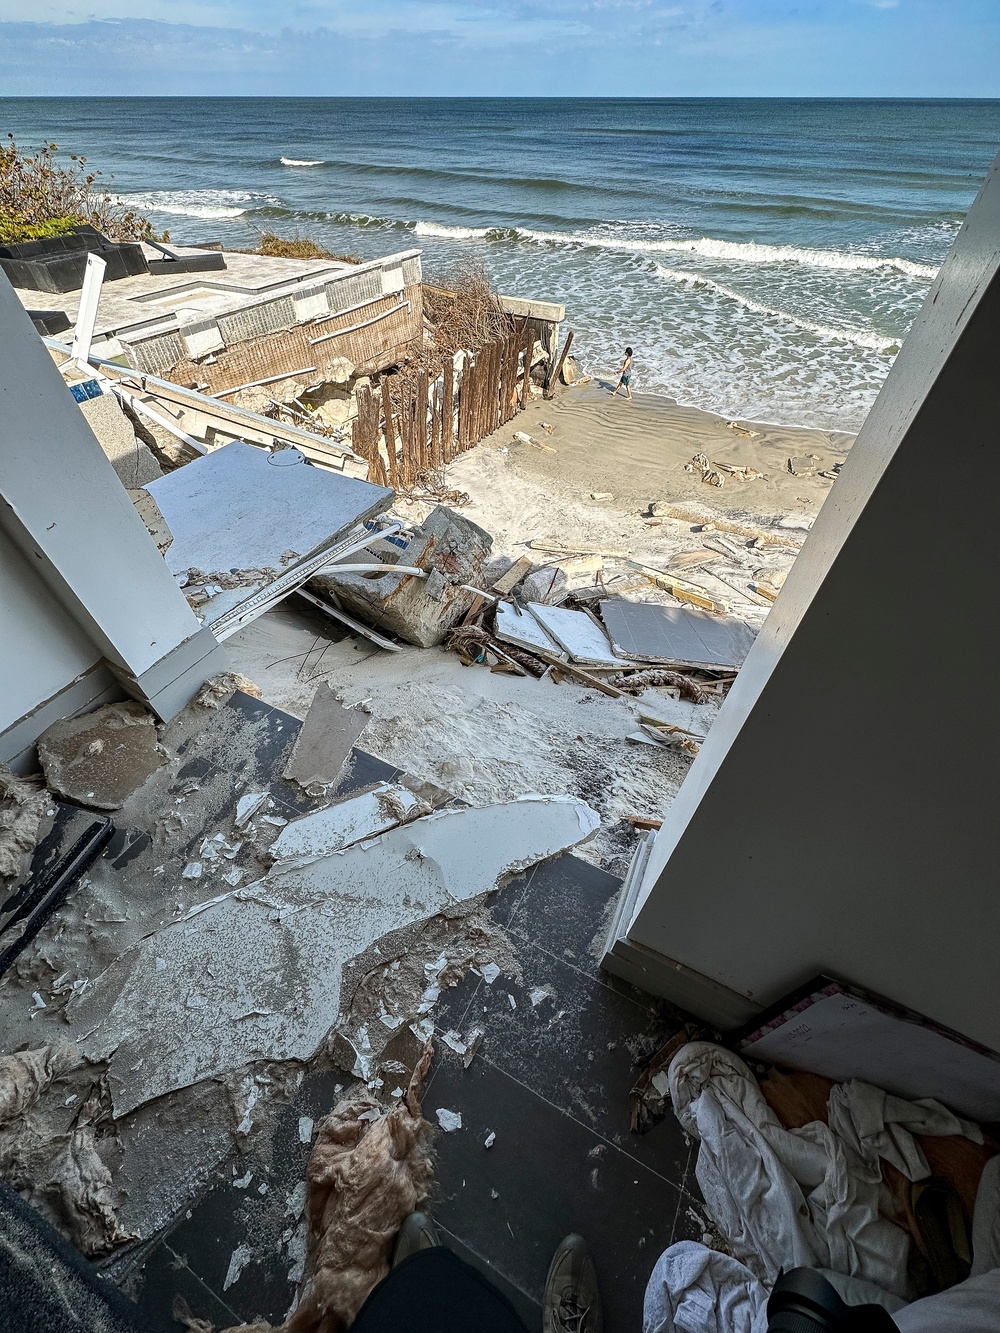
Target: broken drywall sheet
323	746
242	508
100	759
347	822
523	630
257	975
577	633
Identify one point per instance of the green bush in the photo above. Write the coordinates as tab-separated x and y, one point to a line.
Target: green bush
41	197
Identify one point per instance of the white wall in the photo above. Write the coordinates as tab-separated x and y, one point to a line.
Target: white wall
41	649
842	815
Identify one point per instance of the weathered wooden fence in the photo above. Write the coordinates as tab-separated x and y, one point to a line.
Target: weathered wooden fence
424	425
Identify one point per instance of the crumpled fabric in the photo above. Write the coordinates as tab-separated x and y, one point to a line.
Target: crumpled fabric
697	1290
808	1197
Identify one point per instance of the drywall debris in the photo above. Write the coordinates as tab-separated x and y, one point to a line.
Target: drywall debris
522	629
324	744
248	805
348	821
99	759
238	1260
215	692
192	870
305	1129
449	1120
490	1139
676	635
577	633
489	973
278	946
22	808
538	994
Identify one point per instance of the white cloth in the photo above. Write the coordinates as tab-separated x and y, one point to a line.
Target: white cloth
804	1197
696	1290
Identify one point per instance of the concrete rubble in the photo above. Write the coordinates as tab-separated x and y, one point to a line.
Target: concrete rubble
324	744
97	760
452	550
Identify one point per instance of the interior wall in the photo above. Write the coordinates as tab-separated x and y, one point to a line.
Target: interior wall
842	814
42	650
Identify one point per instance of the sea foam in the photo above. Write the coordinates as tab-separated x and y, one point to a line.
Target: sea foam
876	342
302	162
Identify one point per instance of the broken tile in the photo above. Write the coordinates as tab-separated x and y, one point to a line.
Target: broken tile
577	633
99	759
523	630
324	744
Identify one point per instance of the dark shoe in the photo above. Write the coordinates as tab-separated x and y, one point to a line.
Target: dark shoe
572	1303
417	1233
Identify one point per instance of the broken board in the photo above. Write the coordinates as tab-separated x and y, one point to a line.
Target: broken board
324	744
523	630
577	633
676	635
242	508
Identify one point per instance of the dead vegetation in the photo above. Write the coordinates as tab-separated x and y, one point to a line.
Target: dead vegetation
464	310
297	247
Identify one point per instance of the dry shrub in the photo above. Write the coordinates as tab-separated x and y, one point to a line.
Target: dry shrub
464	310
41	197
297	247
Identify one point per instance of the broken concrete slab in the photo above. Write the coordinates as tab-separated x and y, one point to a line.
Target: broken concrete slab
99	759
257	975
549	584
452	548
577	633
347	822
324	744
523	630
676	635
129	456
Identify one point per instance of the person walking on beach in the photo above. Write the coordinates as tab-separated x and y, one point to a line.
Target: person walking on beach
625	380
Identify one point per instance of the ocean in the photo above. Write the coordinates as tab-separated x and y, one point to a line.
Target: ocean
764	258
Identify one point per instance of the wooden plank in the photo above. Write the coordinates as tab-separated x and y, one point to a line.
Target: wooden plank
554	377
436	458
508	582
448	411
464	403
420	441
390	435
684	592
529	347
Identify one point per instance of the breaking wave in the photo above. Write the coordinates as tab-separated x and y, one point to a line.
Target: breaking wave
875	342
301	162
209	204
438	229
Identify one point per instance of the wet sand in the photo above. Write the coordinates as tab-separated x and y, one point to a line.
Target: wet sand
637	450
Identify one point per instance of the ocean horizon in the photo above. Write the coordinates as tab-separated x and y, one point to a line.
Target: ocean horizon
764	257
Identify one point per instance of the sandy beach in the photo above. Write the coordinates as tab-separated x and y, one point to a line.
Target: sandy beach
637	451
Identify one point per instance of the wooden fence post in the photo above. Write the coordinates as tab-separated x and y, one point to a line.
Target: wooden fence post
448	411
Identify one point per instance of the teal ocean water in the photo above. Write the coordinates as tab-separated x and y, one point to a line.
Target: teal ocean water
765	258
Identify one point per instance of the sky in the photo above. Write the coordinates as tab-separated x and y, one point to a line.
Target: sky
617	48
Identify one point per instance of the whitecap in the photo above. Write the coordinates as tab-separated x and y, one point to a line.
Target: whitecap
302	162
744	252
876	342
451	233
209	204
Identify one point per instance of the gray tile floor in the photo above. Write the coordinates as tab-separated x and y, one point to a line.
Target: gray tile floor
550	1080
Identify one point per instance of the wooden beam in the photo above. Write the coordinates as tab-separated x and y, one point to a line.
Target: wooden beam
552	379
